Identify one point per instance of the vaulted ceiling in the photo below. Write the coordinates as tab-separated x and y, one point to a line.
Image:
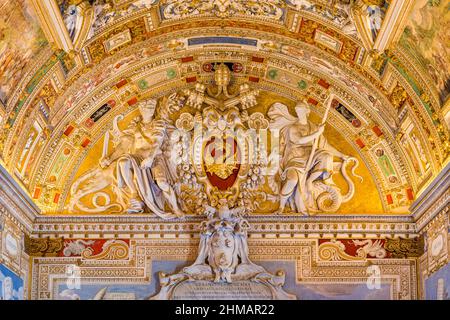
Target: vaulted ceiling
81	63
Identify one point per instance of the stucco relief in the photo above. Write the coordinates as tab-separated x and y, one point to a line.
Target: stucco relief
219	150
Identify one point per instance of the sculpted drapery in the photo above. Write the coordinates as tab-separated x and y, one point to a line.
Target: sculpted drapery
144	173
298	173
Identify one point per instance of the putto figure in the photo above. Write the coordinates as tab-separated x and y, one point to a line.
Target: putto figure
144	175
307	162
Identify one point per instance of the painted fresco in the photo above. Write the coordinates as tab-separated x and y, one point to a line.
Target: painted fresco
111	291
29	147
102	75
20	41
326	290
437	286
11	285
375	16
414	148
426	38
339	12
105	12
72	16
304	291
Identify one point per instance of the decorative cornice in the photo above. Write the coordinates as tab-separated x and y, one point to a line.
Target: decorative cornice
15	203
433	200
129	226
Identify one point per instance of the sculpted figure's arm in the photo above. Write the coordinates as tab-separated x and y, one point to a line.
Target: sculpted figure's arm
125	141
299	139
155	138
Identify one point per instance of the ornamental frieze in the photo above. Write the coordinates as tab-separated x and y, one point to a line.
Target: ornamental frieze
171	166
50	274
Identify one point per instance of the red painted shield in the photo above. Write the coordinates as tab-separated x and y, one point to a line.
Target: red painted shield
221	162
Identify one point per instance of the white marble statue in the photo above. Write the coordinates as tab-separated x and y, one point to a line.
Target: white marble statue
144	174
223	259
307	162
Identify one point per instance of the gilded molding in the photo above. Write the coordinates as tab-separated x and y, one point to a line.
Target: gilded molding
43	247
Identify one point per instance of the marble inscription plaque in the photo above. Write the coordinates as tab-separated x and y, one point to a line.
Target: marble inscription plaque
208	290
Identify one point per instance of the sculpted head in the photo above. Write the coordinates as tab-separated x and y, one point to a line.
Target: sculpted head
303	111
147	109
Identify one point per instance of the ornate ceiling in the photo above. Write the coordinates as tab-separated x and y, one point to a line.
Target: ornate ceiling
385	62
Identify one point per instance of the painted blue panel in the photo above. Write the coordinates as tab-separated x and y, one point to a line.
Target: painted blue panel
326	291
341	291
11	285
437	286
232	40
140	291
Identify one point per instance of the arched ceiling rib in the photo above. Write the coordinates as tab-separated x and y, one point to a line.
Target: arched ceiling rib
146	49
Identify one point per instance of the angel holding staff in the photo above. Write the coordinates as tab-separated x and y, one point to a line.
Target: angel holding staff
305	154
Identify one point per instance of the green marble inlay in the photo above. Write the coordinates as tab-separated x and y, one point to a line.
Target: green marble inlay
272	74
171	73
143	84
302	84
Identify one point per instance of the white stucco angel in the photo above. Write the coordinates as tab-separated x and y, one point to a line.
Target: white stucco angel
307	162
144	175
